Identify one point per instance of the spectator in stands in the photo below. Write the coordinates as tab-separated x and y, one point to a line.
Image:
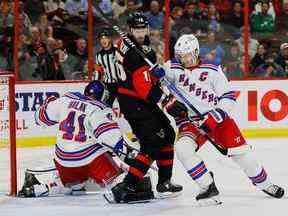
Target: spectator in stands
252	44
236	17
223	6
118	7
192	11
155	16
282	58
55	10
176	14
81	54
282	21
259	57
34	9
106	7
213	18
77	10
233	62
192	18
157	44
269	68
262	22
24	20
131	7
211	52
69	65
35	43
258	7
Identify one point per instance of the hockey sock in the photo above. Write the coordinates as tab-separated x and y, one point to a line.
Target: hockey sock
165	163
253	170
138	168
195	166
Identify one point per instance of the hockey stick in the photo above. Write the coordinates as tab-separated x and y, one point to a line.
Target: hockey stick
170	85
40	171
51	169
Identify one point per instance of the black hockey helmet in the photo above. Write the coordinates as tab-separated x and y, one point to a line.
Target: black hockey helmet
96	90
137	20
104	32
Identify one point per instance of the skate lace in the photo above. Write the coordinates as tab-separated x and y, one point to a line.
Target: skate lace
272	189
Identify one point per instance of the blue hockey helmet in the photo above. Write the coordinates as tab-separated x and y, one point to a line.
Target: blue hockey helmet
96	90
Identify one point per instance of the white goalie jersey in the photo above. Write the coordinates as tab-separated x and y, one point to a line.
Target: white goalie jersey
83	124
204	86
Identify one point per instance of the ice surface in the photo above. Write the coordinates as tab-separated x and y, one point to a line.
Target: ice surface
237	193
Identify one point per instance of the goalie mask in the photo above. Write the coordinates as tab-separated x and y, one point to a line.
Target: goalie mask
139	27
187	50
96	90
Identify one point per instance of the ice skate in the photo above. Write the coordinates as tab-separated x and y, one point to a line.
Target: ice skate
274	191
209	195
167	189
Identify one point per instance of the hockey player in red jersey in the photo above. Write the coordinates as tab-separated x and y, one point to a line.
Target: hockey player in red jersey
138	97
206	87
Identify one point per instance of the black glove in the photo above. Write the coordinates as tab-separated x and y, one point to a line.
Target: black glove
174	107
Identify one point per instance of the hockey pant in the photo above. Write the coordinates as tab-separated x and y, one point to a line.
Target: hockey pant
72	180
228	136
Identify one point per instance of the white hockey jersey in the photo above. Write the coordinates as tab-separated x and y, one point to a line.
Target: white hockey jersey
82	125
205	86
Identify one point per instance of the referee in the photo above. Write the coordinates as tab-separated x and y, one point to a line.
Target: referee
106	58
111	70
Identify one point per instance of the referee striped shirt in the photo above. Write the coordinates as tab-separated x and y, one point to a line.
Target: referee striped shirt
113	70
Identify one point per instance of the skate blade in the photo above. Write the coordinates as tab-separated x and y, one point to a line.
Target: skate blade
110	199
167	195
209	202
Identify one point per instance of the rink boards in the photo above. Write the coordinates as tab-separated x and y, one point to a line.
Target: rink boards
261	110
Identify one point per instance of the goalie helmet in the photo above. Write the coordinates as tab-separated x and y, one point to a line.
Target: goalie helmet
96	90
187	50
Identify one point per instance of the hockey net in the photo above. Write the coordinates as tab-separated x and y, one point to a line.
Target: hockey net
8	176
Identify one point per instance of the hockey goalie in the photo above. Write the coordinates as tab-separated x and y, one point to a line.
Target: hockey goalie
87	138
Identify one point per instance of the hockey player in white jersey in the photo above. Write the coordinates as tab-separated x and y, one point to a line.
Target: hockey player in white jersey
85	124
206	87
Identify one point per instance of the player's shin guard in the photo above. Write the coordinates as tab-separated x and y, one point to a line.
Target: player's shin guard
195	166
257	174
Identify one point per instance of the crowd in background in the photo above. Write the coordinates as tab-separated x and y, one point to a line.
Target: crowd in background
53	34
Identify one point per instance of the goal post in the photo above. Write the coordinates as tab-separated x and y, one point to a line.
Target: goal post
8	131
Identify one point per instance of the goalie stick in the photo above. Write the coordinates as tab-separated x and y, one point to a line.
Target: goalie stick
51	169
169	84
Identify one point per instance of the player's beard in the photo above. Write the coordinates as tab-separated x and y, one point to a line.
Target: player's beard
139	34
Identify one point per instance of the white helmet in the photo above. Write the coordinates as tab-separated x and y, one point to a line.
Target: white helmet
187	50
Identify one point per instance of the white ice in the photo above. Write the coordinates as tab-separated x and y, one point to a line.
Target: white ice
237	193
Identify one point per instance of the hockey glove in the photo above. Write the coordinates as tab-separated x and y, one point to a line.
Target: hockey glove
158	72
212	119
174	107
